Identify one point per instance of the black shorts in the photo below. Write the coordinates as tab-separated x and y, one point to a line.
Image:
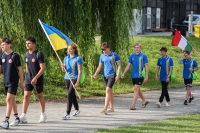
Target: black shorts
30	87
109	80
137	81
188	82
11	90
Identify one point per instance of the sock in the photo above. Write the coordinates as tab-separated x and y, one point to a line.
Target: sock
7	118
43	113
23	114
16	116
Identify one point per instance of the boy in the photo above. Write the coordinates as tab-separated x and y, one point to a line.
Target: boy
189	66
165	66
12	70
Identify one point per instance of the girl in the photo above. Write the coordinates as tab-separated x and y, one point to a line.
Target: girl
72	66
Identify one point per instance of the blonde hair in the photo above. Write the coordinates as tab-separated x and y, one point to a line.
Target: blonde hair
138	44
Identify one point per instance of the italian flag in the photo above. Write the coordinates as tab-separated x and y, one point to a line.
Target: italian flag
181	42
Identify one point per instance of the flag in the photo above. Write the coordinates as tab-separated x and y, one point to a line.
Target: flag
181	42
58	39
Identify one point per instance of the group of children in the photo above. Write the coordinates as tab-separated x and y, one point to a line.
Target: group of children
139	63
10	66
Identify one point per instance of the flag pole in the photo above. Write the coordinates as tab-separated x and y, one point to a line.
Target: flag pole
196	51
59	58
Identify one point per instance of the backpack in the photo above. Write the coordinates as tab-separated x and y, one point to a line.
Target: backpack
194	73
37	56
12	58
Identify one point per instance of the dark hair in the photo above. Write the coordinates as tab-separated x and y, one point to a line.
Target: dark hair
104	45
75	48
163	49
187	52
31	39
6	40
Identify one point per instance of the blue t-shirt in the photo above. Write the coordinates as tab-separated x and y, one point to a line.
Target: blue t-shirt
72	66
187	64
164	64
138	61
109	62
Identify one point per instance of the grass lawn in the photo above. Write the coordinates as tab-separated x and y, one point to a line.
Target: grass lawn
54	83
180	124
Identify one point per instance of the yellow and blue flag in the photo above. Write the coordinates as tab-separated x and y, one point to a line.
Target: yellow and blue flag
58	39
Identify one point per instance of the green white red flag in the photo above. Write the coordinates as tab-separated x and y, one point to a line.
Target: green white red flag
179	41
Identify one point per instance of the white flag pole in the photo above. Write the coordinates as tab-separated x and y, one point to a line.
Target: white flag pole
58	58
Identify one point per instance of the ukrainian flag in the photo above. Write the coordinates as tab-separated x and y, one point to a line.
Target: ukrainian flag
58	39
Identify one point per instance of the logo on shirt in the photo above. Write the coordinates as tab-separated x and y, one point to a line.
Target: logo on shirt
26	60
3	60
33	60
10	61
160	63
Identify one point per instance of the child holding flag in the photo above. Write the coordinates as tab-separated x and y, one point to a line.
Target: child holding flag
73	65
189	66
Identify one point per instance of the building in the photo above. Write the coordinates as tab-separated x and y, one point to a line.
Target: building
161	14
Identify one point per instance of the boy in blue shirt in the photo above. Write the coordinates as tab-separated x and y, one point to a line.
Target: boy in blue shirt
138	60
109	59
165	66
189	66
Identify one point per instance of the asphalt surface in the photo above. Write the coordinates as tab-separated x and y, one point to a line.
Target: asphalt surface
91	120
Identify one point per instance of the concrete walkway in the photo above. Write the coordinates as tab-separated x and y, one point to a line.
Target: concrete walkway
90	119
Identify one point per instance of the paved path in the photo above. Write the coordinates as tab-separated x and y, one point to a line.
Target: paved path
90	119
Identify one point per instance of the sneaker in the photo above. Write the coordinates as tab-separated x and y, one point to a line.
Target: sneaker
23	119
15	122
5	124
76	112
158	104
65	117
191	98
42	118
185	102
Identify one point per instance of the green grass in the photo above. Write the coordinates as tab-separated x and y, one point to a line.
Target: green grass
54	83
180	124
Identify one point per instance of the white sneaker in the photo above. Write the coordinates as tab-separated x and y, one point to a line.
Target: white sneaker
42	118
76	112
158	104
5	124
15	122
65	117
23	119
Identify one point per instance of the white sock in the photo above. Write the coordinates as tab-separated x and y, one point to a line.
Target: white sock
43	113
23	114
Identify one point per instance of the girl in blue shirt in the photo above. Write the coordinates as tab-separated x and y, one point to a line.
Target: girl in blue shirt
73	65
